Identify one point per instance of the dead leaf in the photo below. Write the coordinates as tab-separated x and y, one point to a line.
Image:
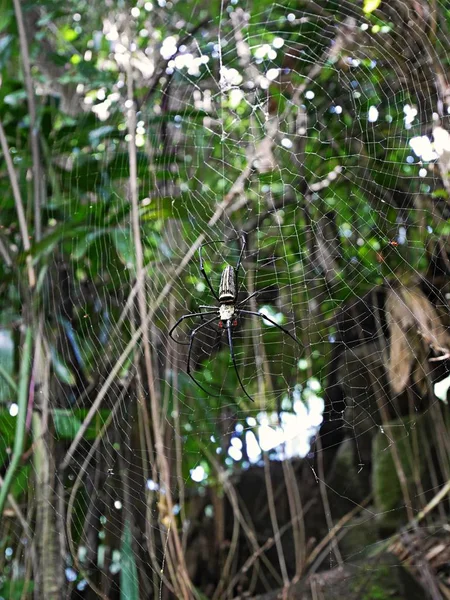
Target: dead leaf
415	328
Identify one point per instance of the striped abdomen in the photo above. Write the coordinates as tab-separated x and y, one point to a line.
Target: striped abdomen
227	288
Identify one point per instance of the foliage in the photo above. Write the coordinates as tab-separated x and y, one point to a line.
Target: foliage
291	122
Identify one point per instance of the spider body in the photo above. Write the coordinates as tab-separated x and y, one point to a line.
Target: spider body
227	312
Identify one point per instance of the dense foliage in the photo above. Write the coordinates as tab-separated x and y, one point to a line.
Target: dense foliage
131	134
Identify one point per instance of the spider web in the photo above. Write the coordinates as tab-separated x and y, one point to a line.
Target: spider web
320	133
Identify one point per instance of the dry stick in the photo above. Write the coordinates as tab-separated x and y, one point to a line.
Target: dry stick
295	508
335	530
232	496
179	558
432	503
228	562
33	121
19	204
260	355
325	502
262	358
145	442
294	499
268	544
19	514
5	254
173	358
274	520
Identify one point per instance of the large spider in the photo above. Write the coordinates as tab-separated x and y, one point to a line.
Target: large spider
227	313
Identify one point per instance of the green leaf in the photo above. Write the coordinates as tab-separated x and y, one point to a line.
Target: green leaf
13	590
129	583
81	246
67	422
7	428
123	241
15	98
20	481
100	133
370	5
8	387
62	371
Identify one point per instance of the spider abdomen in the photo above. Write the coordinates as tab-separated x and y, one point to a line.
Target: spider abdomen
227	287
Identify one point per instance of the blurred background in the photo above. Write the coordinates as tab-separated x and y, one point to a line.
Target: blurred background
310	141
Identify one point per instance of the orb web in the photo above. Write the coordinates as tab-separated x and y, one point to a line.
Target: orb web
319	136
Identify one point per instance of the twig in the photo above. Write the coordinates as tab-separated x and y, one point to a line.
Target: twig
268	544
445	490
33	120
9	380
237	512
19	204
335	530
19	514
295	508
5	254
325	502
183	580
274	521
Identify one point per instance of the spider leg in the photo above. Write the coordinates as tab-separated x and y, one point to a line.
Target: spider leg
207	313
181	319
248	298
233	358
188	366
257	314
244	244
202	268
203	272
238	264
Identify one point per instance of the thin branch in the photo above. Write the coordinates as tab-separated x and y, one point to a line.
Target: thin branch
332	534
5	254
183	579
274	521
19	204
33	119
268	544
326	504
9	380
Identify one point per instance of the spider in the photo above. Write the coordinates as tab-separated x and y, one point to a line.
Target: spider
227	312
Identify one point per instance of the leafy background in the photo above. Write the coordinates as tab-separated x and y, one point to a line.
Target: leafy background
132	133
